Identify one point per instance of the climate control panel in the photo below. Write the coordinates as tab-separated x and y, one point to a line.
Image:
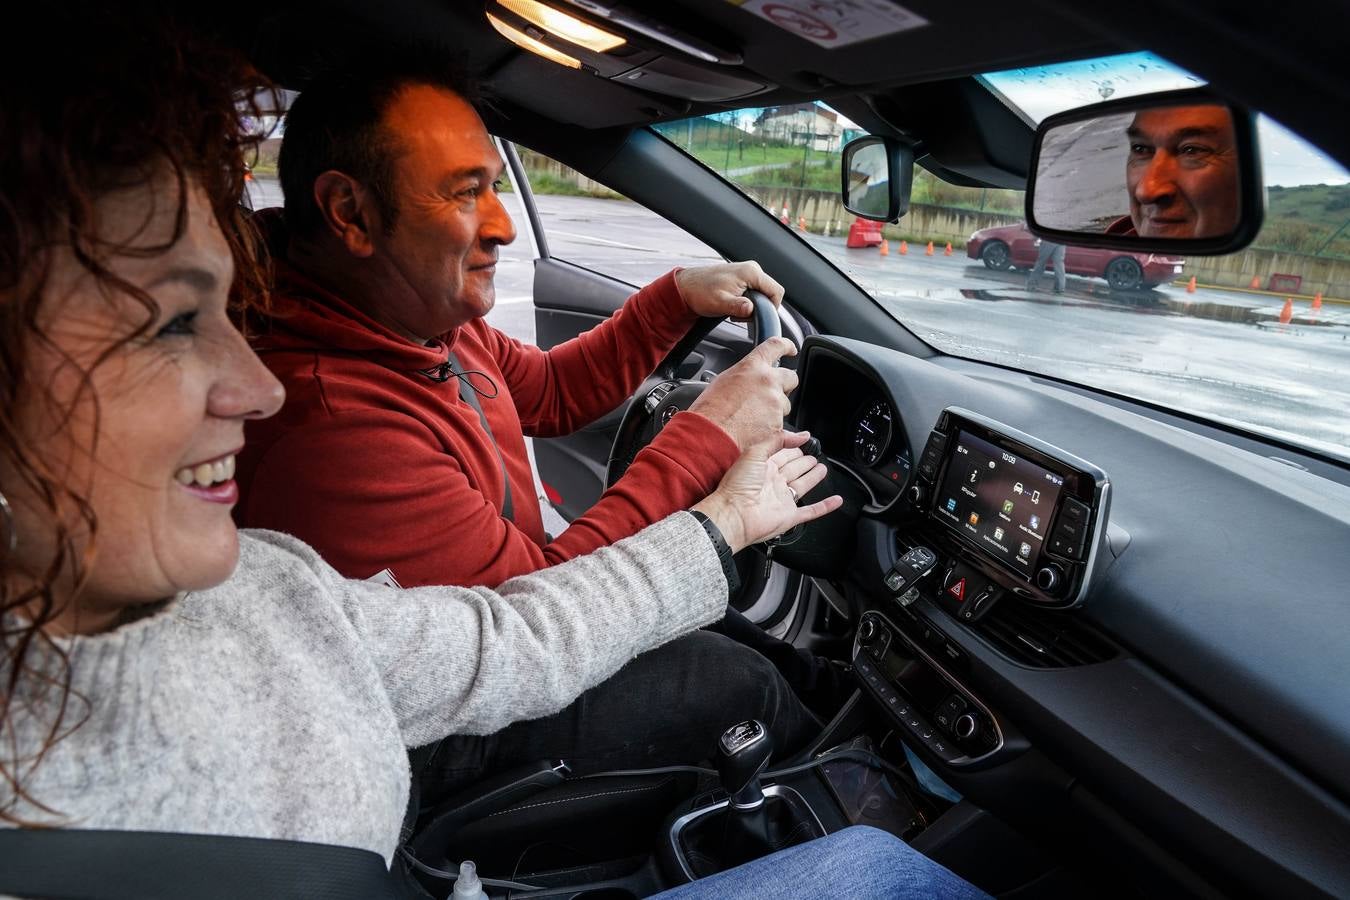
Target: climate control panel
908	673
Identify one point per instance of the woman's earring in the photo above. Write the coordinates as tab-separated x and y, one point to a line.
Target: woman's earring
10	539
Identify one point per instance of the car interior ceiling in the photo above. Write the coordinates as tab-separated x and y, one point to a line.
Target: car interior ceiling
1096	790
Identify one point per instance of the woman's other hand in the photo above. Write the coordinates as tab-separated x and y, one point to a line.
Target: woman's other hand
757	498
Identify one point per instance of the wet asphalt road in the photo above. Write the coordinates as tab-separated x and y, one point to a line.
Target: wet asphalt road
1218	354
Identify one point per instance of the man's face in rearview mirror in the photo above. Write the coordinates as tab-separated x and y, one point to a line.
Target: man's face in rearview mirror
1182	172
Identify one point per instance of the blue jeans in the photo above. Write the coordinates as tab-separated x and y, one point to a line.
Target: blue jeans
857	862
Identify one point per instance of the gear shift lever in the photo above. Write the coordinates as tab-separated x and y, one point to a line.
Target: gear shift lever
751	824
742	753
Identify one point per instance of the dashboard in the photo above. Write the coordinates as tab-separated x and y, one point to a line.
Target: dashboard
1183	664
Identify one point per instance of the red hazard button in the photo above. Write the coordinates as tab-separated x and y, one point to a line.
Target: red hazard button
958	590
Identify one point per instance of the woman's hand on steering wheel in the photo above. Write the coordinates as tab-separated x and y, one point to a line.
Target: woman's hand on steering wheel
757	498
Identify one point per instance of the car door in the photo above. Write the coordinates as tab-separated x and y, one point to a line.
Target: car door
1023	248
1087	261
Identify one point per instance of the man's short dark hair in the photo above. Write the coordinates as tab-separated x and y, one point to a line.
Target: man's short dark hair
337	123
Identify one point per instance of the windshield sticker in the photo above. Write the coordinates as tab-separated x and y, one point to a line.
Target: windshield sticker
835	23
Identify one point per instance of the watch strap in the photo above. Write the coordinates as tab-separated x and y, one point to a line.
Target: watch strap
724	555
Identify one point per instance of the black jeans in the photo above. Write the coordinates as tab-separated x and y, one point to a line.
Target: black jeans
666	707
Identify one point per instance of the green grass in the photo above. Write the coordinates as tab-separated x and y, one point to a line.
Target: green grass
756	153
544	182
817	176
1306	219
1325	205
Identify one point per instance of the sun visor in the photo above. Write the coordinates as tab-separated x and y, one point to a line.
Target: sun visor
673	77
576	97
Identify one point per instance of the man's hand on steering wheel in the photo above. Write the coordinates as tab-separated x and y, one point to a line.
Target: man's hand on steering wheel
717	291
749	400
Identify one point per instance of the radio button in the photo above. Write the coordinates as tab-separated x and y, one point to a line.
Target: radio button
942	749
948	712
1075	511
1068	541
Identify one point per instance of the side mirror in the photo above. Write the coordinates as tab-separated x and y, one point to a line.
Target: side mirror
877	175
1175	172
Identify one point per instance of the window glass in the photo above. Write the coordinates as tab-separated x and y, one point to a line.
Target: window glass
1260	340
587	224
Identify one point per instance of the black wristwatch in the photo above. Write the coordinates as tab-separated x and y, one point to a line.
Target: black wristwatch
723	552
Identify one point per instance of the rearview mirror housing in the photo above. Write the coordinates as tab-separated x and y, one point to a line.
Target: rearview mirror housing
877	173
1176	172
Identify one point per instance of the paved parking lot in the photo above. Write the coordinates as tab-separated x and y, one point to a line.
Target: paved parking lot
1219	354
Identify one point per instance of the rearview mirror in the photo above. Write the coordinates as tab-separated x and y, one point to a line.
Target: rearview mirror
877	174
1170	172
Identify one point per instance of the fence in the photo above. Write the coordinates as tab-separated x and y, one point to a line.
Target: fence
1320	274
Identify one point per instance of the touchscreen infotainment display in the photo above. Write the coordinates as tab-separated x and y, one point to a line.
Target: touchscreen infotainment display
999	501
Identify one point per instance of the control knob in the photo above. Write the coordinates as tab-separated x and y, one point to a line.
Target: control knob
1049	579
916	494
966	727
867	630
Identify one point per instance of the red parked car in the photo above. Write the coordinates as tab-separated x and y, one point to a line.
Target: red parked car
1013	247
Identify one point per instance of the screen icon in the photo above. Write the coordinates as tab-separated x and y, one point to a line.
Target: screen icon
974	476
991	463
1024	551
1035	523
974	518
1007	507
1017	488
1035	496
998	534
951	504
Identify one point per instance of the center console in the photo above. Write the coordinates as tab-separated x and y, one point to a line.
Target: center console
909	672
992	512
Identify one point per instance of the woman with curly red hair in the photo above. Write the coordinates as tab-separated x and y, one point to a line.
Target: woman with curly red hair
160	671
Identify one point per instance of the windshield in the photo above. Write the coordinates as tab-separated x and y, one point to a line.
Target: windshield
1259	339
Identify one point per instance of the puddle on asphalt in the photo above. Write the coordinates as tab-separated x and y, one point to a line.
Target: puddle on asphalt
1155	303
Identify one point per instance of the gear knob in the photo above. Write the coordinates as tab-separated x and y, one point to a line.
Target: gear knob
742	753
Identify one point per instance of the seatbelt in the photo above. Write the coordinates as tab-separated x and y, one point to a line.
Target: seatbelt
470	396
112	865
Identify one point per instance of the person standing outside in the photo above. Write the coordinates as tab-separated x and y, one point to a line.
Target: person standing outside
1047	251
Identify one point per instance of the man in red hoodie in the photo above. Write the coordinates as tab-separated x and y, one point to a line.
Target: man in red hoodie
400	452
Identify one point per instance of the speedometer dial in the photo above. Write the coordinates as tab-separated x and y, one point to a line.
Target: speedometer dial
872	434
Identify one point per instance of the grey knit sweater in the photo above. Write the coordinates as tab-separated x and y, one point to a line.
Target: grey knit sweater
280	703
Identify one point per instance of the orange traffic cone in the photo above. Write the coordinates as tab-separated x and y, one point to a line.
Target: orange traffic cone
929	251
904	248
885	248
1317	300
1256	282
1288	312
248	176
948	251
1190	285
801	223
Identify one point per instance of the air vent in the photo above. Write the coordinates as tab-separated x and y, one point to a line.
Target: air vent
1042	638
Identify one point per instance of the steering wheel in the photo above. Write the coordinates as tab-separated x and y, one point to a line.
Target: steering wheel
664	393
